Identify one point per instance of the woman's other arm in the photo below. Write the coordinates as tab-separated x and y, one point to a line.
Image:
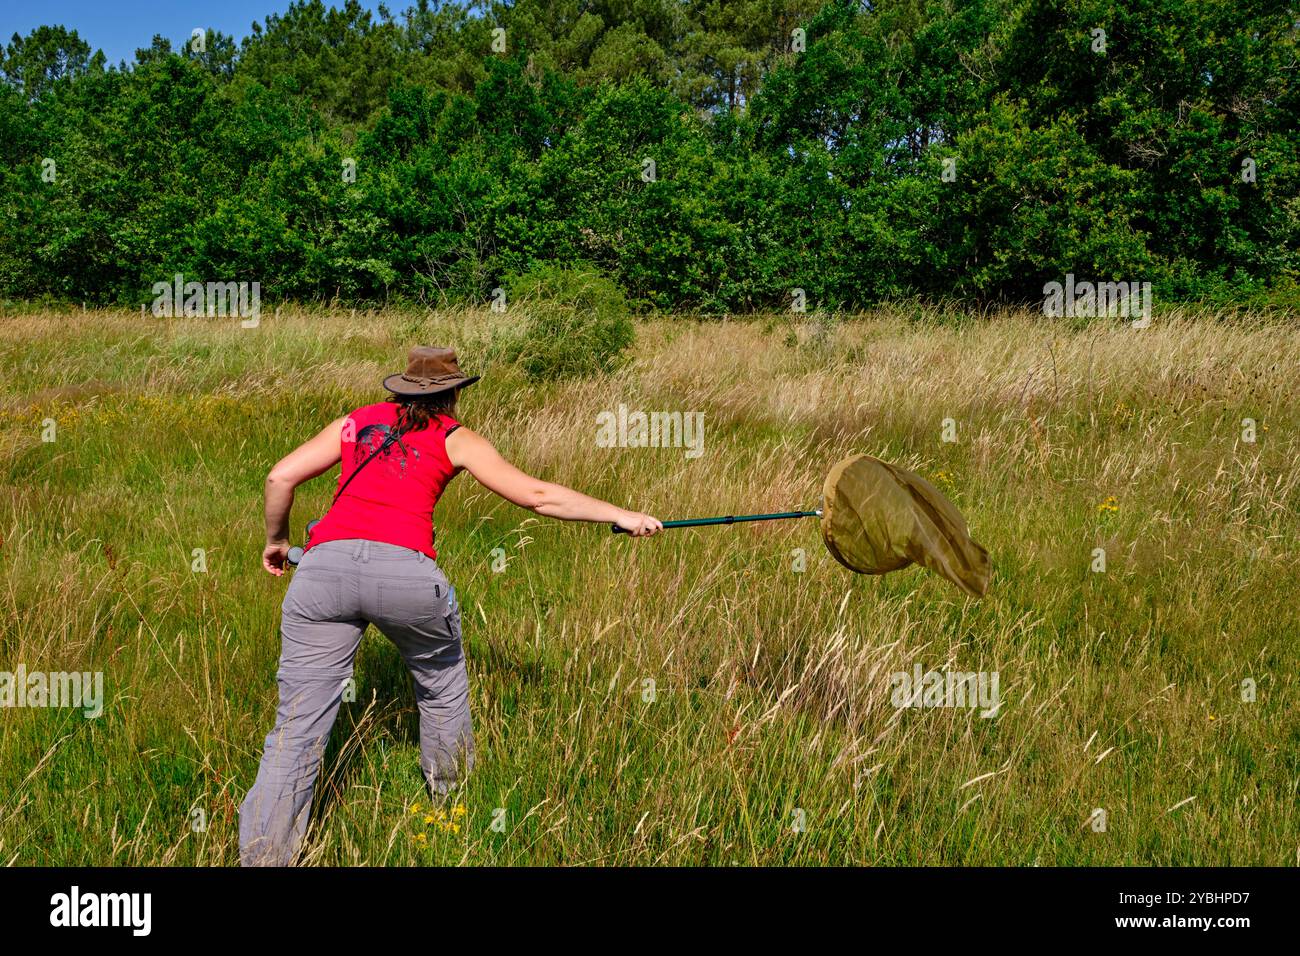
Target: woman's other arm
313	457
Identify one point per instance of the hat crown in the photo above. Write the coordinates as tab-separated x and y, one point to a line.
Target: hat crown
427	361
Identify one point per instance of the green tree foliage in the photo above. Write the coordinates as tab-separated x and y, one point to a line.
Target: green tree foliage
700	155
35	63
339	58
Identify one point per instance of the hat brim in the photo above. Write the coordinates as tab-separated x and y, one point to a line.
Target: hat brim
399	386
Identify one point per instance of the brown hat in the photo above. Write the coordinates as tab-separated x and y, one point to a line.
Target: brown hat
429	370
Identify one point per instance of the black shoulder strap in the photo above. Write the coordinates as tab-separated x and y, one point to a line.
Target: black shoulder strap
393	436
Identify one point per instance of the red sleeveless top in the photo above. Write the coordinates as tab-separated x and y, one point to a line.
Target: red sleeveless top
392	499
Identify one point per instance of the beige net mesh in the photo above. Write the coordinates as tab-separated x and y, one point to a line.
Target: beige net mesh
877	517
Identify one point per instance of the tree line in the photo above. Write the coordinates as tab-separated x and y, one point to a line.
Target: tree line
704	156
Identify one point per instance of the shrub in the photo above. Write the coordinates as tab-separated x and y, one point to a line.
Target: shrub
578	323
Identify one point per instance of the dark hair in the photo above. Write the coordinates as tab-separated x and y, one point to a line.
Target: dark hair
417	411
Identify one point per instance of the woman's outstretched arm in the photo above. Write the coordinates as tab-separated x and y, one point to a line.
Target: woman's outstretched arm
476	455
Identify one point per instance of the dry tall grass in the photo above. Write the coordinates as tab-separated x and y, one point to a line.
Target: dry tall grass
770	736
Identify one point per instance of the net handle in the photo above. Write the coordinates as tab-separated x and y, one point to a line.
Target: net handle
729	519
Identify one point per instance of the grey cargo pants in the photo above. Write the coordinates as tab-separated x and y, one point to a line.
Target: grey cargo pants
340	587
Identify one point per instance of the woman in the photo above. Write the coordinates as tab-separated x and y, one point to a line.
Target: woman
371	560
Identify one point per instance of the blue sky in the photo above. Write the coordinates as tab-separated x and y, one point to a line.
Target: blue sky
119	27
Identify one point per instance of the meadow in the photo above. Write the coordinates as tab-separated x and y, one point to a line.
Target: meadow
1160	690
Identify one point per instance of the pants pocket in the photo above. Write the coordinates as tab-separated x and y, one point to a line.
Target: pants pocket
410	603
453	615
313	595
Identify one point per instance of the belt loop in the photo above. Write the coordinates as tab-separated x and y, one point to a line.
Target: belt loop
365	551
356	552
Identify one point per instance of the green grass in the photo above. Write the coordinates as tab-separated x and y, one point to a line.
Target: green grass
1121	689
